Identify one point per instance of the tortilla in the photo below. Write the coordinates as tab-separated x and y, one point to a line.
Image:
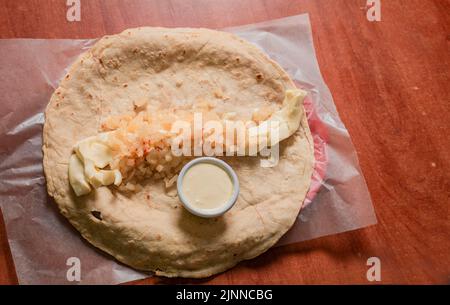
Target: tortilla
149	229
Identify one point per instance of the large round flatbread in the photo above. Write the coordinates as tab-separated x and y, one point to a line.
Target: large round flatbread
150	230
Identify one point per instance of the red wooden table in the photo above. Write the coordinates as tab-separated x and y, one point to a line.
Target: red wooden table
390	82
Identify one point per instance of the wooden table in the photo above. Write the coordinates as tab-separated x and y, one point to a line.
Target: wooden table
390	82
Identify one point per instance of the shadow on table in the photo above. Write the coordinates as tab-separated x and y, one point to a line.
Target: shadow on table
344	248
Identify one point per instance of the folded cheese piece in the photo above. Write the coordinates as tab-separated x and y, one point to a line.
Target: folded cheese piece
77	180
86	165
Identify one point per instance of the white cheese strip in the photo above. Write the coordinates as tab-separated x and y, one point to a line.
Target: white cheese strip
282	124
76	176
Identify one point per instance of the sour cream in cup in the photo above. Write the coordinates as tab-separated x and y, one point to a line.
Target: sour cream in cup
207	187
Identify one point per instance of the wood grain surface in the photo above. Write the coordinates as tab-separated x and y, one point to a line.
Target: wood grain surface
390	83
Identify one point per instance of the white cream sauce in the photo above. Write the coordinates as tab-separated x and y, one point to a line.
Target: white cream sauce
207	186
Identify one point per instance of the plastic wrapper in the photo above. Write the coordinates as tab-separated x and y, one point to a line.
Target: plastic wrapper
42	240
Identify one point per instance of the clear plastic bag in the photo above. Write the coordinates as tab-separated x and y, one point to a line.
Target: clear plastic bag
41	240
